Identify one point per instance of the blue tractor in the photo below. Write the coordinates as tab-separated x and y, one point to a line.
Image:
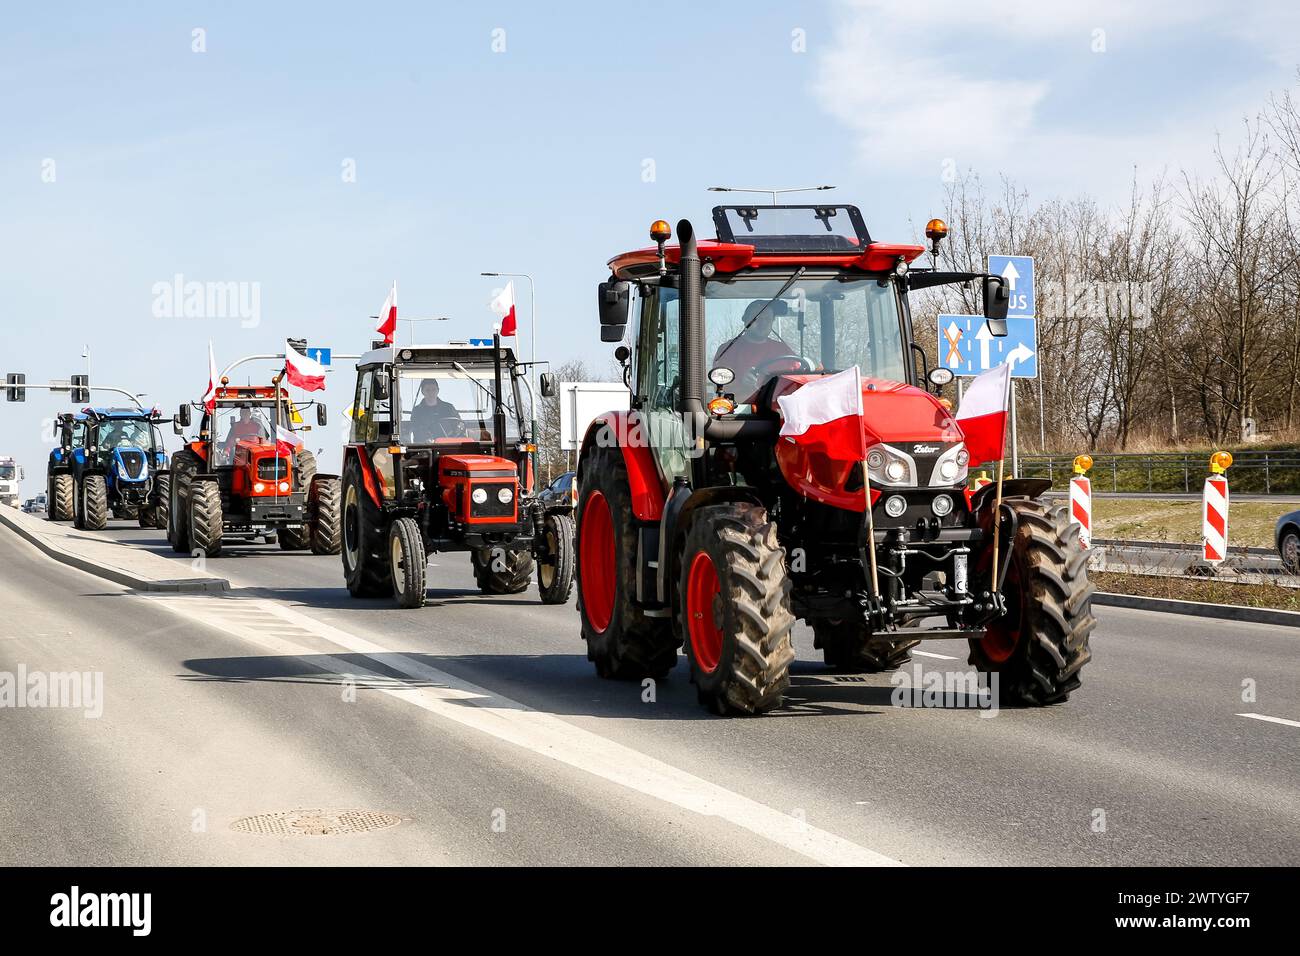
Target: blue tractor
110	461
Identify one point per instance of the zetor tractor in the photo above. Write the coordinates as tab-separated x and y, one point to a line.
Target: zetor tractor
110	461
439	460
247	476
698	524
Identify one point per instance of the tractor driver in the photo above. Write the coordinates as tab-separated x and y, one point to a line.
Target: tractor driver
245	428
755	347
432	418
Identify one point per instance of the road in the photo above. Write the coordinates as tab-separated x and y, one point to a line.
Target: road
478	722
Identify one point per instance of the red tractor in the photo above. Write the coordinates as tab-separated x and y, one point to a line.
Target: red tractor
698	525
247	476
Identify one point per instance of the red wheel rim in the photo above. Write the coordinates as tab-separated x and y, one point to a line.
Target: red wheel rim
701	590
1003	635
596	557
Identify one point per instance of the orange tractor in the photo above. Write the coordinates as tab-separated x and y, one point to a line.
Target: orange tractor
248	476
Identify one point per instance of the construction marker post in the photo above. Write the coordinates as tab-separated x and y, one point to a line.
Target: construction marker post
1214	507
1081	499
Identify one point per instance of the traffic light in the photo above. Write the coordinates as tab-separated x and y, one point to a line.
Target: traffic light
15	391
80	390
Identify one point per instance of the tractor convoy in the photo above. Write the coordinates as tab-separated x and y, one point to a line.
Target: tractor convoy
701	518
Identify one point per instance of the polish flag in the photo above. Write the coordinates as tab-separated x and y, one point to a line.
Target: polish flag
286	441
826	416
210	396
306	373
504	306
983	415
387	326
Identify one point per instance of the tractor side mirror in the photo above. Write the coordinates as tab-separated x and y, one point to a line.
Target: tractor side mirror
382	383
614	299
997	300
183	416
547	384
178	428
322	414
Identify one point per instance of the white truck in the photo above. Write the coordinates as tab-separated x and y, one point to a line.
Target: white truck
11	473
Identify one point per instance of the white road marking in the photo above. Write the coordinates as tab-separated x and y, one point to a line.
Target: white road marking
537	731
940	657
1272	720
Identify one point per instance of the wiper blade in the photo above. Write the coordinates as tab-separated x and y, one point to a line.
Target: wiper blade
766	305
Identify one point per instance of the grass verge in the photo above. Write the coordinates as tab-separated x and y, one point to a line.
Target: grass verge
1191	589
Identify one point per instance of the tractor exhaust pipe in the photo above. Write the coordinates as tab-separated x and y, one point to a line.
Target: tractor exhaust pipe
691	321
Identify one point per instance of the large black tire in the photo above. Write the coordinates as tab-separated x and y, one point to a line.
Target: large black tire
161	497
58	497
734	609
365	539
1039	646
299	539
622	641
185	465
555	563
207	523
326	522
93	495
851	648
408	563
498	571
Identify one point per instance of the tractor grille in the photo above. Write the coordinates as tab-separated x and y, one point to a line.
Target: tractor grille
493	507
273	469
133	462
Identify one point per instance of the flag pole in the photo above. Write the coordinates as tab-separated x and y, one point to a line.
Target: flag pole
871	530
997	507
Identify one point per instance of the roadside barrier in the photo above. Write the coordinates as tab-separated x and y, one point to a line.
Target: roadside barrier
1081	499
1214	525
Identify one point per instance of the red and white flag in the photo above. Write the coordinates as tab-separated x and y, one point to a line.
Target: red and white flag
504	306
826	415
210	396
983	415
387	325
306	373
286	441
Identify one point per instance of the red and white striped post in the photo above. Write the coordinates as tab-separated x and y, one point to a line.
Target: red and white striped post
1081	499
1214	523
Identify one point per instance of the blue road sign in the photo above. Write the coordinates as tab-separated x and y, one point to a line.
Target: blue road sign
487	342
968	347
318	354
1019	273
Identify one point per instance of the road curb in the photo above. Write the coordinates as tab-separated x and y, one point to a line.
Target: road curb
116	575
1230	612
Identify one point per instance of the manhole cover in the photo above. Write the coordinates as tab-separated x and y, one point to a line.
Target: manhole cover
315	822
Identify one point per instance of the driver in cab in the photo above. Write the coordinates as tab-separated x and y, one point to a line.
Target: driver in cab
245	428
755	347
432	418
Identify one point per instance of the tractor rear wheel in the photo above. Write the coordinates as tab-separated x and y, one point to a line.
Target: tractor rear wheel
185	465
161	498
326	532
365	535
408	562
94	503
622	640
850	647
59	498
207	522
735	609
1039	646
498	571
555	563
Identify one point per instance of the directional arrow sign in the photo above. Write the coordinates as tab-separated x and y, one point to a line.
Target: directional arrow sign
1019	273
968	347
319	354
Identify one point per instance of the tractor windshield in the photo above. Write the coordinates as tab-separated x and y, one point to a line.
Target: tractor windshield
243	421
447	405
128	433
760	327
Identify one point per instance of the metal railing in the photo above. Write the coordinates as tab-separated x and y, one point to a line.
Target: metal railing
1253	472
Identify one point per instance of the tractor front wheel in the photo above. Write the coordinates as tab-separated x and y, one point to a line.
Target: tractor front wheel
497	571
207	523
735	609
555	563
325	524
364	533
408	562
59	498
1039	646
851	648
185	465
94	503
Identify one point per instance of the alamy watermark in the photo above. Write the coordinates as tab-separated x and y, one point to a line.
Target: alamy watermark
79	690
179	298
946	690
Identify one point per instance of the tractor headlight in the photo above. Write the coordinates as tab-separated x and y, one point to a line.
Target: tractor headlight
121	471
284	487
258	487
478	495
895	505
875	459
896	470
949	469
505	496
942	505
889	466
963	457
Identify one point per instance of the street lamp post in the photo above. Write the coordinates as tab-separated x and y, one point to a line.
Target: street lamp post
532	320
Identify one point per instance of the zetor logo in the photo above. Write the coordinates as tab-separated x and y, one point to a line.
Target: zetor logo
925	449
103	909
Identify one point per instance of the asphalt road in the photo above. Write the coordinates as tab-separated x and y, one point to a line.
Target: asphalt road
478	721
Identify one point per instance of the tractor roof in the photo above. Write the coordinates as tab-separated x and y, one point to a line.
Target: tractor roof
751	237
88	413
466	353
232	393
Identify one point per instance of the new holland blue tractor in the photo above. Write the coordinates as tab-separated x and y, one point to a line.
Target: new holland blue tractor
110	461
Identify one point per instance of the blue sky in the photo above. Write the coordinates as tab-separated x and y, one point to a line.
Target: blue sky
227	165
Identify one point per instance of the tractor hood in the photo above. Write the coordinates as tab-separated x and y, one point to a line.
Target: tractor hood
130	463
892	412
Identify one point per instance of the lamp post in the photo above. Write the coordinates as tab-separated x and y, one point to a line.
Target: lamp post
532	321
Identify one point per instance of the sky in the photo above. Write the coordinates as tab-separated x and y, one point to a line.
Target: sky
314	153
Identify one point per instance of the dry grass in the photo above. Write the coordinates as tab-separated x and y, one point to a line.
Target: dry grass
1250	523
1193	589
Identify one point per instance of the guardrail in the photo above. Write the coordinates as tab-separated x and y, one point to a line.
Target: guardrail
1253	472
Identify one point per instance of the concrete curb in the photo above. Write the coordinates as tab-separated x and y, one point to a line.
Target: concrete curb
1228	612
116	575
